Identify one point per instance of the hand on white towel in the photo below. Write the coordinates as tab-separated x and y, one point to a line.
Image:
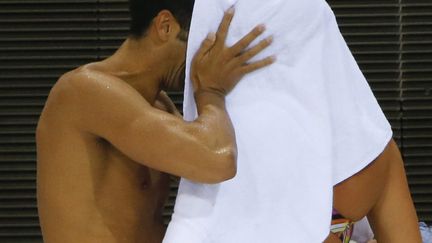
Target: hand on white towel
218	68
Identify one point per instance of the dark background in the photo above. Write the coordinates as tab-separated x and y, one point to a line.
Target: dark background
42	39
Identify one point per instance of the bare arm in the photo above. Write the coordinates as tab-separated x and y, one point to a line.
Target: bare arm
203	150
152	137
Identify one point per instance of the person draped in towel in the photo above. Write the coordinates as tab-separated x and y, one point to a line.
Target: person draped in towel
103	147
305	126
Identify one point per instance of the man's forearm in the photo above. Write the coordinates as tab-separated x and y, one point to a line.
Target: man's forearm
213	116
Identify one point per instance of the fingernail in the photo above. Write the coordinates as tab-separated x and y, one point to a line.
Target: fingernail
231	10
270	39
261	27
211	36
273	58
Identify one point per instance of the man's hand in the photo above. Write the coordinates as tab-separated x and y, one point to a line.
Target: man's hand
217	68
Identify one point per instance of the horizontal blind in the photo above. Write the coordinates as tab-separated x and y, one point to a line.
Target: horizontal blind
416	68
42	39
39	41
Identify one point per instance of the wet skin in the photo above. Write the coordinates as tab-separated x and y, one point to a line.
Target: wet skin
105	139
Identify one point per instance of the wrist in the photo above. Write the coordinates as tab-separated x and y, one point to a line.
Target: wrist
209	97
209	92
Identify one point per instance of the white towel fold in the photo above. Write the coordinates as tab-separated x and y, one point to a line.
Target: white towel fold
303	125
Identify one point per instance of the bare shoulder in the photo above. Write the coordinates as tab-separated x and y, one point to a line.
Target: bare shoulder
83	81
79	90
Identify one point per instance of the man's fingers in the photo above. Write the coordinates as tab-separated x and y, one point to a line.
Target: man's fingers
257	65
249	54
241	45
206	45
224	27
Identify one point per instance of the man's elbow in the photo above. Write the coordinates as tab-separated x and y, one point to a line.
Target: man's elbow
226	167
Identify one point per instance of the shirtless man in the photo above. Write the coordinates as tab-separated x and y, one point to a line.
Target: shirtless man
102	146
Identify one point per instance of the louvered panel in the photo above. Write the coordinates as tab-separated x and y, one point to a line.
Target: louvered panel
39	41
371	29
417	104
114	25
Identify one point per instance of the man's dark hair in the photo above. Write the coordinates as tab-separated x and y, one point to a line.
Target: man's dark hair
144	11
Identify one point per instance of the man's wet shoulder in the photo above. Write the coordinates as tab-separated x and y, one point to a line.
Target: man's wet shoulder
85	81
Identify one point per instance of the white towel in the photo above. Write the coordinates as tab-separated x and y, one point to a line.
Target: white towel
303	125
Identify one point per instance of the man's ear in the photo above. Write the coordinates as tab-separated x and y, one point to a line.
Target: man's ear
165	25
